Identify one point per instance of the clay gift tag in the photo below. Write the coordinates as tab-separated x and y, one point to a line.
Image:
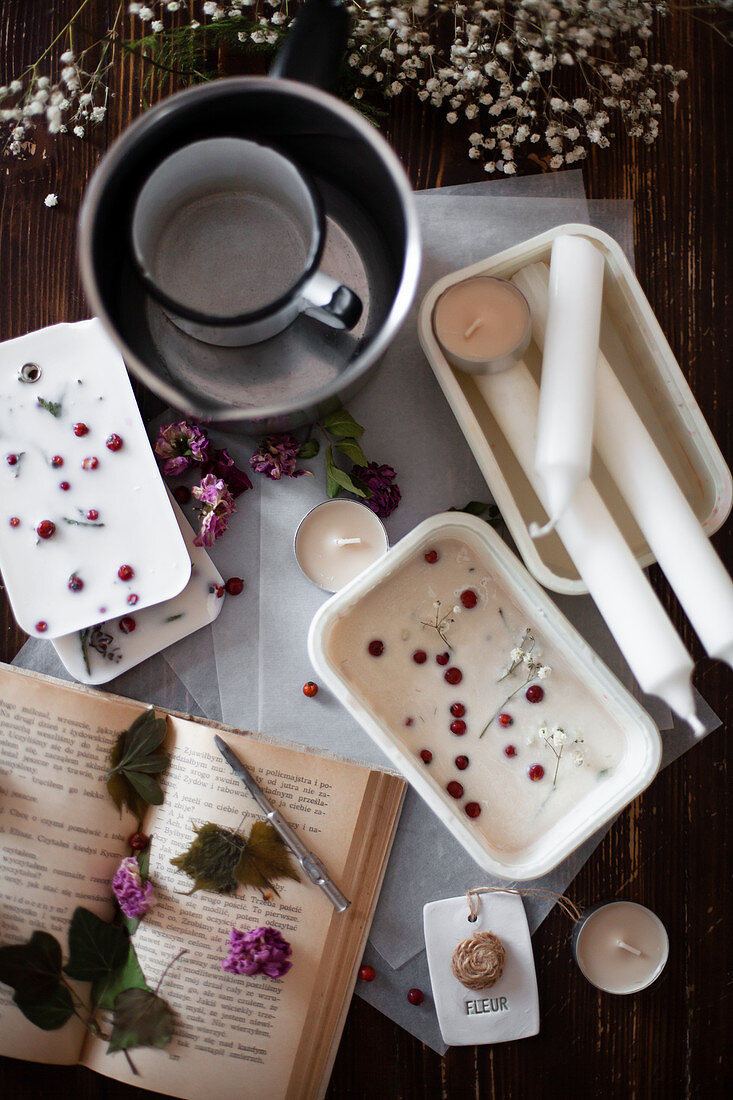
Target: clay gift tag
99	653
507	1009
86	528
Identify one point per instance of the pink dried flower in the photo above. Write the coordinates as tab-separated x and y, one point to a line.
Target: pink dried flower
386	493
135	897
217	505
276	457
261	951
181	445
221	465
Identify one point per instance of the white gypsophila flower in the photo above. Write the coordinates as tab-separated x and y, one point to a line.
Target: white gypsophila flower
543	672
51	200
517	654
157	26
146	14
67	58
79	131
98	114
558	737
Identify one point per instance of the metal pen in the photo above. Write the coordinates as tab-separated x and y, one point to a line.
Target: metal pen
312	866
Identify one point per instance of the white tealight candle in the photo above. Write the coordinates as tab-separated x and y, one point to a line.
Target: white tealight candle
620	947
482	324
337	540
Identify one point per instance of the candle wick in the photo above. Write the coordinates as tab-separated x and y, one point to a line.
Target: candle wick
628	947
472	327
347	542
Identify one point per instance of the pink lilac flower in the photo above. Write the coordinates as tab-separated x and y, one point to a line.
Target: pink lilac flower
135	897
181	445
221	465
386	493
217	506
276	457
261	951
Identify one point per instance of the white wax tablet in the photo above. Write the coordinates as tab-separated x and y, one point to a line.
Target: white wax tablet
87	532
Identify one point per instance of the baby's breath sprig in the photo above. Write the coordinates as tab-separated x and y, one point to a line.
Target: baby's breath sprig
521	656
442	622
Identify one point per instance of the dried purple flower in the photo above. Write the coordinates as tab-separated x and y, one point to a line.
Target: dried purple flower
386	493
217	505
276	456
261	951
135	897
181	445
221	465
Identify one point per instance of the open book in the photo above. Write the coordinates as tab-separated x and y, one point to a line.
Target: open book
62	838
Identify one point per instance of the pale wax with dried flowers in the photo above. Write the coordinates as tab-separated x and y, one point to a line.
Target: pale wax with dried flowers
444	658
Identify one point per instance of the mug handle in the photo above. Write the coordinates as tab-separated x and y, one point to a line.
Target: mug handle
315	45
329	301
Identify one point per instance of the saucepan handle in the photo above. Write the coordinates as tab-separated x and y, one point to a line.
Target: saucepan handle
315	44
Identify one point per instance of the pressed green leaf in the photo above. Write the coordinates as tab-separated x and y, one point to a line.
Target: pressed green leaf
51	1013
219	859
345	482
153	764
32	969
127	976
133	762
54	407
264	858
149	790
341	424
352	450
96	948
309	449
141	1019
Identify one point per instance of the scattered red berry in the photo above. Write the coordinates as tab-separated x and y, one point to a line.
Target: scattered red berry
114	442
45	529
461	762
133	598
443	658
127	624
469	598
235	586
415	996
409	721
534	694
57	461
453	675
419	656
455	789
64	485
310	689
367	974
90	463
457	710
535	772
80	429
426	756
138	841
473	809
125	572
510	750
376	648
75	583
14	521
182	493
431	557
92	514
219	589
458	727
504	719
12	460
41	627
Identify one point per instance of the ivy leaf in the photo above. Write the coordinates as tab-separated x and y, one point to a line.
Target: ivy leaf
96	948
220	859
309	449
352	450
127	976
32	969
265	857
50	1014
141	1019
341	424
134	761
54	407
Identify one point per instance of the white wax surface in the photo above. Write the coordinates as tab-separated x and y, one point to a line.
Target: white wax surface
320	556
515	810
612	967
480	319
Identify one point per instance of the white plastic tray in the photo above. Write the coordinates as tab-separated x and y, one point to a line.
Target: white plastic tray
641	758
635	346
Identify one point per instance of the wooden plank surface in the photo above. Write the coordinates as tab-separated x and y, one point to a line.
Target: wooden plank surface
669	850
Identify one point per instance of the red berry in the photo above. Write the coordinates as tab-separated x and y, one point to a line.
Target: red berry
458	727
415	996
64	485
453	675
14	521
426	756
80	429
41	627
455	789
510	750
469	598
419	656
409	721
182	493
132	598
310	689
367	974
45	529
75	583
127	624
443	658
504	719
235	586
125	572
461	762
114	442
90	463
431	557
457	710
376	648
57	461
138	841
12	460
92	514
534	694
473	809
535	772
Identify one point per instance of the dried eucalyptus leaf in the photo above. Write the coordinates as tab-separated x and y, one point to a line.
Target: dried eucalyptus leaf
32	969
141	1019
265	857
96	948
50	1014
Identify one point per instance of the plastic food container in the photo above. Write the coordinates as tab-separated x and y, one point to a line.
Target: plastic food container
641	752
636	348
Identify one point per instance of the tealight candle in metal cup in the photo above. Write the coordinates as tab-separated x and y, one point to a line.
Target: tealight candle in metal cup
620	947
337	540
483	324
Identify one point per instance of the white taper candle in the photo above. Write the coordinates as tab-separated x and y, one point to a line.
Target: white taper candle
673	531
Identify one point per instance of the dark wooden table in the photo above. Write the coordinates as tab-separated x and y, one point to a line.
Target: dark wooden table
670	848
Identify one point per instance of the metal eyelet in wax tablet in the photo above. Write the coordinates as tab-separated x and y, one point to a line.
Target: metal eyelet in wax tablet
482	970
87	531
